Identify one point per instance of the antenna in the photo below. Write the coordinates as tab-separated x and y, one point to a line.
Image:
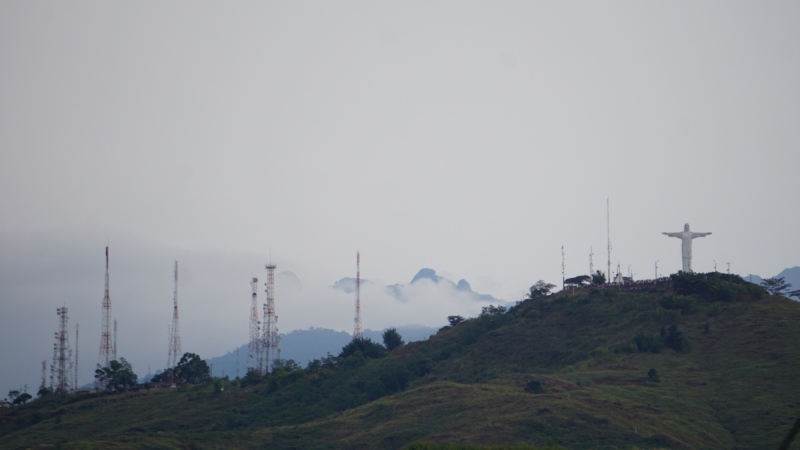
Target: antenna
175	334
75	381
255	354
563	268
114	352
271	338
715	265
729	268
656	274
44	370
608	235
106	345
357	332
591	262
61	355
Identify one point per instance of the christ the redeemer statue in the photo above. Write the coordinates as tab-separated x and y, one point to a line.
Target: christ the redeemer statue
686	236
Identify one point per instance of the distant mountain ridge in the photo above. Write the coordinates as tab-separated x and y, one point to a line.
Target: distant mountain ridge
306	345
790	275
348	284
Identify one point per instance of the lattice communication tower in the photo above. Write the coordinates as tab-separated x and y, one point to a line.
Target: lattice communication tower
62	356
608	237
357	331
75	379
174	331
255	361
107	353
271	339
44	373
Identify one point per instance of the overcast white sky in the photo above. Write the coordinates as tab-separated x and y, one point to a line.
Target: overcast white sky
475	138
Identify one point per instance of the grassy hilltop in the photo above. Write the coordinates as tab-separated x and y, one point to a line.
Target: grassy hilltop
710	362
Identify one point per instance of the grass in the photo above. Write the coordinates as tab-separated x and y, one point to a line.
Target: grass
465	388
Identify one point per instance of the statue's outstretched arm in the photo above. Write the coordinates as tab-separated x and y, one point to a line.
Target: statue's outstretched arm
677	235
694	234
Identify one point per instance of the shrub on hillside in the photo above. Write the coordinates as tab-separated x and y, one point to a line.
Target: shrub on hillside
534	387
673	338
648	342
682	303
715	286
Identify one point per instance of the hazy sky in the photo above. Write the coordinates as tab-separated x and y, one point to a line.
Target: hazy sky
475	138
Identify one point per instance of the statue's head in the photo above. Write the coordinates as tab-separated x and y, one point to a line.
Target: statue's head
686	227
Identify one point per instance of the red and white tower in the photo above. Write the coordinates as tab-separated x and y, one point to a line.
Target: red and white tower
357	332
271	338
255	362
106	344
62	356
174	331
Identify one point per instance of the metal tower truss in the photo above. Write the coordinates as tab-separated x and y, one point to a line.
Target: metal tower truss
271	340
357	331
174	332
106	345
61	368
255	362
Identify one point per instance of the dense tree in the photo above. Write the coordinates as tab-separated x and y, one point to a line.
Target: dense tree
392	339
118	376
652	374
777	286
191	369
44	391
24	397
455	320
580	280
285	365
540	289
13	395
598	278
363	346
491	310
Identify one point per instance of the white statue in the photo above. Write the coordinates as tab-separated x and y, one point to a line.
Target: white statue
686	236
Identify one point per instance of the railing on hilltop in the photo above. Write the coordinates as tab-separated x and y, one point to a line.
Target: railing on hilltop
627	286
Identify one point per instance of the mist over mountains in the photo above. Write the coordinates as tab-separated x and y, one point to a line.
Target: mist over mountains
399	291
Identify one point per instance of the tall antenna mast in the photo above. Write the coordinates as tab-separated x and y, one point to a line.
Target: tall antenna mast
563	268
591	262
44	371
357	332
255	355
61	355
608	235
271	338
114	351
175	335
106	345
75	381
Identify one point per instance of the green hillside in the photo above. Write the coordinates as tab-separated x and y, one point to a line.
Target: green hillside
706	362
